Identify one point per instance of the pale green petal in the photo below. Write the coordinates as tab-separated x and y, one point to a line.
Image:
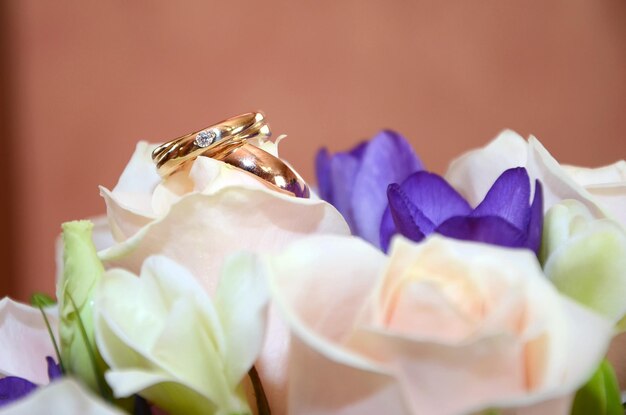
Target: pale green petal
164	339
241	302
586	258
82	270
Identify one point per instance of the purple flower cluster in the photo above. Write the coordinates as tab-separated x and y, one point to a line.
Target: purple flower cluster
381	189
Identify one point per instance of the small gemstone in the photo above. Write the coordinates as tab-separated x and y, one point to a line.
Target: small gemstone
206	138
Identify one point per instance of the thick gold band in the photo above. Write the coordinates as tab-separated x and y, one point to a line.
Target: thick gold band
269	168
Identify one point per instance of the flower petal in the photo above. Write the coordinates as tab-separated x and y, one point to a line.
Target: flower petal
590	264
13	389
65	396
388	158
344	169
407	217
535	224
138	180
435	199
387	230
271	221
508	198
319	285
25	341
488	229
241	303
473	173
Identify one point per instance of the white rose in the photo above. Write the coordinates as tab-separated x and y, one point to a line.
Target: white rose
443	327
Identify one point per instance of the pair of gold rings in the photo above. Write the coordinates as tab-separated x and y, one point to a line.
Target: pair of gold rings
231	141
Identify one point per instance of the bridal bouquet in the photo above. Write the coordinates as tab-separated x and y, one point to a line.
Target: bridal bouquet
219	283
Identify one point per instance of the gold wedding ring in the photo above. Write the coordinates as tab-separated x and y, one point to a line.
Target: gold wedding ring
269	168
217	139
227	141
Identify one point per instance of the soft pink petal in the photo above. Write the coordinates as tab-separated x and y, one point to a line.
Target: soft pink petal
432	373
124	221
24	341
139	179
557	184
200	231
320	285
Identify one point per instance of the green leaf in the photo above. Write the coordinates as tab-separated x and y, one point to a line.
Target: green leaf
42	300
601	394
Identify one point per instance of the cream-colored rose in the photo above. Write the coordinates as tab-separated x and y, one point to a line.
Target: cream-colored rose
201	215
601	190
441	327
25	341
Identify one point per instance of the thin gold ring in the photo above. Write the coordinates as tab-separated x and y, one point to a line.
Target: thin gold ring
216	140
267	167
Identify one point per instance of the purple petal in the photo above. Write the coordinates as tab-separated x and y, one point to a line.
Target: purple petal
489	229
344	169
322	171
387	159
508	198
408	219
54	370
387	230
535	224
13	388
405	212
359	150
435	198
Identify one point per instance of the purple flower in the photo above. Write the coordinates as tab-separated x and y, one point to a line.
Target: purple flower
13	388
425	203
355	182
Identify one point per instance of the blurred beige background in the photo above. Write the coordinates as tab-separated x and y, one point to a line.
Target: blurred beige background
83	81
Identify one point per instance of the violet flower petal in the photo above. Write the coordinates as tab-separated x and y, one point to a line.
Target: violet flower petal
508	198
435	198
408	219
387	159
344	169
13	388
405	213
535	224
54	369
387	230
489	229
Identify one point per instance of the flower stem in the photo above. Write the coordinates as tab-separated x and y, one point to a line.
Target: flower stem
263	407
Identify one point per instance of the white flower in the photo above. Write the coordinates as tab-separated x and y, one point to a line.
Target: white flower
443	327
167	340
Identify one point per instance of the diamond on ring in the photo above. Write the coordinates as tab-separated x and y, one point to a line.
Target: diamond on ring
207	137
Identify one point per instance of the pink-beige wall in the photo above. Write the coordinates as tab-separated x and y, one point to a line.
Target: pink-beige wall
89	79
